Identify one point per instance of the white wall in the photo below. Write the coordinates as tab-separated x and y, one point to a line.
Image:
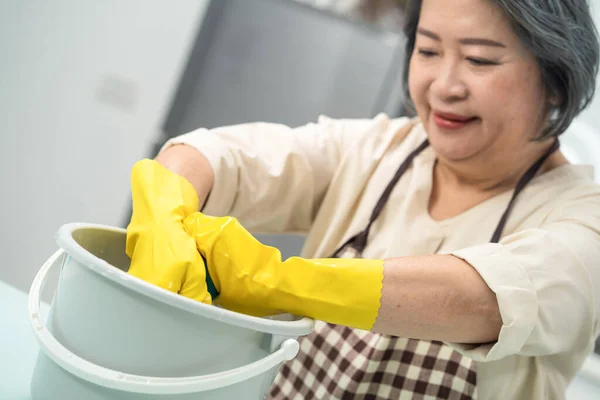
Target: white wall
85	86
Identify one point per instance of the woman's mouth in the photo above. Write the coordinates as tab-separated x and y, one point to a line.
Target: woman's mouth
451	121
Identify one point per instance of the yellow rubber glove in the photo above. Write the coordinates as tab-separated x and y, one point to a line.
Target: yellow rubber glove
250	276
161	251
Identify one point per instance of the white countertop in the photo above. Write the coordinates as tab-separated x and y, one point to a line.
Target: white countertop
19	349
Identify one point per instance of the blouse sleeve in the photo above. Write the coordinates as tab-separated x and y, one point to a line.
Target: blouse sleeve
546	283
273	177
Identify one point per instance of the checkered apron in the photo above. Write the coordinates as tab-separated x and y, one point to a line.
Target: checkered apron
337	362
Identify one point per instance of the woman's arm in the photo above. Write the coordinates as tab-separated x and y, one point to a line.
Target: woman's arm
191	164
533	294
270	176
438	297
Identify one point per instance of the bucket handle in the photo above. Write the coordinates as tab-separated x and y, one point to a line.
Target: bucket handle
136	383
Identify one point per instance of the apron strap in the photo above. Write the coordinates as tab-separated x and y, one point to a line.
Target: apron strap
525	179
359	241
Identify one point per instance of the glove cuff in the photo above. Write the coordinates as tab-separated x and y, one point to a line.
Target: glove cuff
339	291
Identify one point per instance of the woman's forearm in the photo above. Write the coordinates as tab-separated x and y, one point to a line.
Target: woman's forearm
437	297
189	163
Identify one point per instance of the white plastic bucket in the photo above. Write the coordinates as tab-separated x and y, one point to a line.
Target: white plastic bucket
113	336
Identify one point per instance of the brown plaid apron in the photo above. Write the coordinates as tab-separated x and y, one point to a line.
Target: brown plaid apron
337	362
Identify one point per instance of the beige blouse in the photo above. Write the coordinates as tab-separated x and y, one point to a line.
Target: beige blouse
323	179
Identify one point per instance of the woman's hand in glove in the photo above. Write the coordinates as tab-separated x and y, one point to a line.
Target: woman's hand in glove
250	276
161	251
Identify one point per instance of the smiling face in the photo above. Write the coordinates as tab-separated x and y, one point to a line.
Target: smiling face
476	88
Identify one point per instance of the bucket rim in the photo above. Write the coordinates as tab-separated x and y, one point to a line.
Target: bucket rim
64	238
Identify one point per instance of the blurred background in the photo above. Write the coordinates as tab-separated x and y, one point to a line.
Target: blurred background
90	87
87	88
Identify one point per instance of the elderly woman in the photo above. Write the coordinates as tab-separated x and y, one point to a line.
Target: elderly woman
454	255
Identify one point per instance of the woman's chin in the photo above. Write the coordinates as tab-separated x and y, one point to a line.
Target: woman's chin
454	149
456	144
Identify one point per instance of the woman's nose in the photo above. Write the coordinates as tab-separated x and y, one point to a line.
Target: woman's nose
448	84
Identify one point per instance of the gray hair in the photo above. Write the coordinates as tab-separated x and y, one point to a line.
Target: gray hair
564	40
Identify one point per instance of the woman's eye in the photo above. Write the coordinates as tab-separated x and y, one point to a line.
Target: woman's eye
481	62
427	53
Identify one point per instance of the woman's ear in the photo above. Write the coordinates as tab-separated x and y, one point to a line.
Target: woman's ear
554	101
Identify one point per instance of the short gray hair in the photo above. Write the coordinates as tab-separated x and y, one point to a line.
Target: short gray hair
562	36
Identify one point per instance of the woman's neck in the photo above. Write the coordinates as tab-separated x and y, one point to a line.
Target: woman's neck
457	187
487	174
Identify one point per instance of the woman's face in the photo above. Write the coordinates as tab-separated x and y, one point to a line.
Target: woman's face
476	88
